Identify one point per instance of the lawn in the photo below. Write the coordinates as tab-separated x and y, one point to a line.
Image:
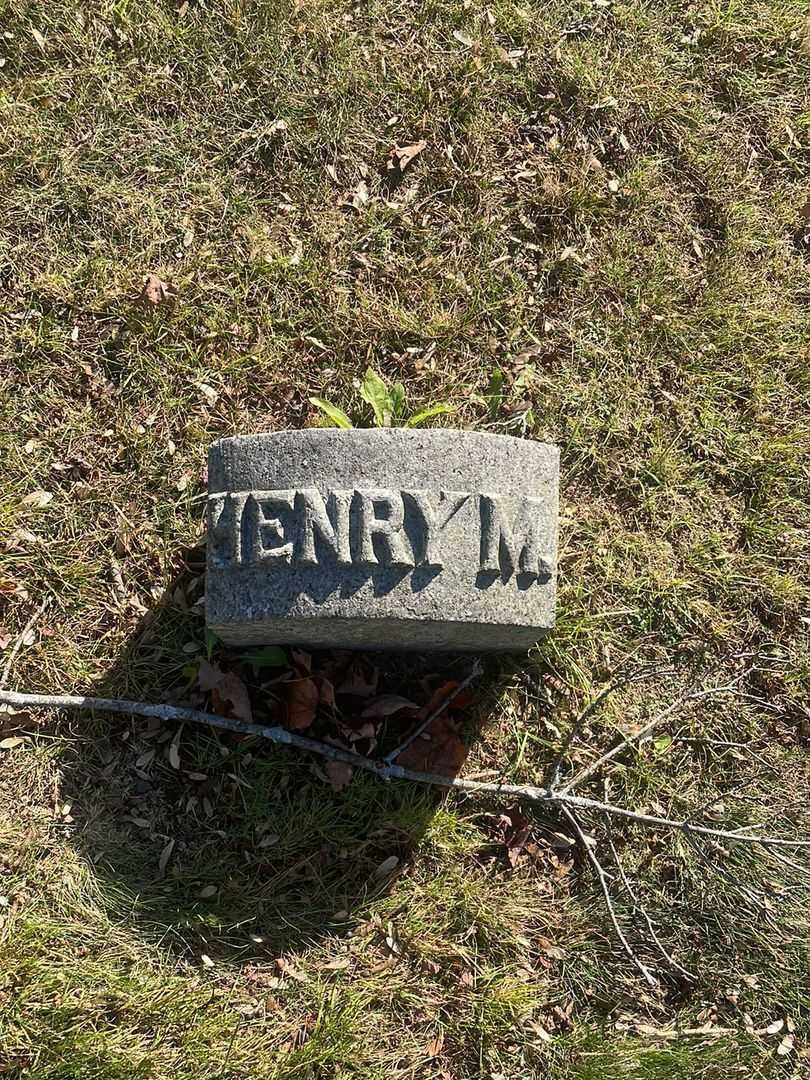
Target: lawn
611	216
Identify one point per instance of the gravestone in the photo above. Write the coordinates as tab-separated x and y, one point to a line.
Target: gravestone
382	539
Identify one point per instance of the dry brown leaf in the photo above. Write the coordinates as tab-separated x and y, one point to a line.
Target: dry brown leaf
287	968
229	695
37	499
548	948
360	678
386	705
339	774
156	291
439	750
435	1046
401	156
517	828
302	703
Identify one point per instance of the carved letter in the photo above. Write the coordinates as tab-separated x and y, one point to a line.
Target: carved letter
521	543
265	527
312	518
388	528
433	521
225	528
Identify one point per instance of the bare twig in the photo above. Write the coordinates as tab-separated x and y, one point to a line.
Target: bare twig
425	724
553	774
690	695
15	648
670	959
381	768
600	873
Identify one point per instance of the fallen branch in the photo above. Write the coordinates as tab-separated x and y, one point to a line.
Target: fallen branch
382	769
617	683
670	959
693	694
602	878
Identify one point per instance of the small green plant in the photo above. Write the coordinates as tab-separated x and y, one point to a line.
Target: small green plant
387	404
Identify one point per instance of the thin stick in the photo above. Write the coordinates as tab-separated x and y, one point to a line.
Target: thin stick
425	724
380	768
600	873
15	648
651	725
577	726
637	903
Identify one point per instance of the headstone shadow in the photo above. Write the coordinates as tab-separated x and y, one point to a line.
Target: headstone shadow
219	844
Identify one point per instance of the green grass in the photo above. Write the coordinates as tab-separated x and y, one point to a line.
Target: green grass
612	210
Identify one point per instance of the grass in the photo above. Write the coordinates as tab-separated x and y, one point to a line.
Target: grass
612	209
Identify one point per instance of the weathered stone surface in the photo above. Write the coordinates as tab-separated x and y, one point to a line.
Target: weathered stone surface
386	539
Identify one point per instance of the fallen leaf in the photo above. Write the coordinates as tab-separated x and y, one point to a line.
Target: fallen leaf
516	833
287	968
269	656
205	893
38	38
206	960
461	701
548	948
386	705
360	678
303	697
165	855
302	660
401	156
386	868
775	1027
326	692
209	393
174	754
463	38
156	291
229	694
359	197
438	750
10	743
37	499
339	774
786	1045
434	1047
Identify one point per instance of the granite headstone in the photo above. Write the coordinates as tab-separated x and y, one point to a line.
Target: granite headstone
382	539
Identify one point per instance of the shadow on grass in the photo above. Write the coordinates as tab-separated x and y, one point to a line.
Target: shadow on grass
217	844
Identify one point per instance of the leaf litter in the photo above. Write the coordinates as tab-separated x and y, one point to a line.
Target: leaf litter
338	697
